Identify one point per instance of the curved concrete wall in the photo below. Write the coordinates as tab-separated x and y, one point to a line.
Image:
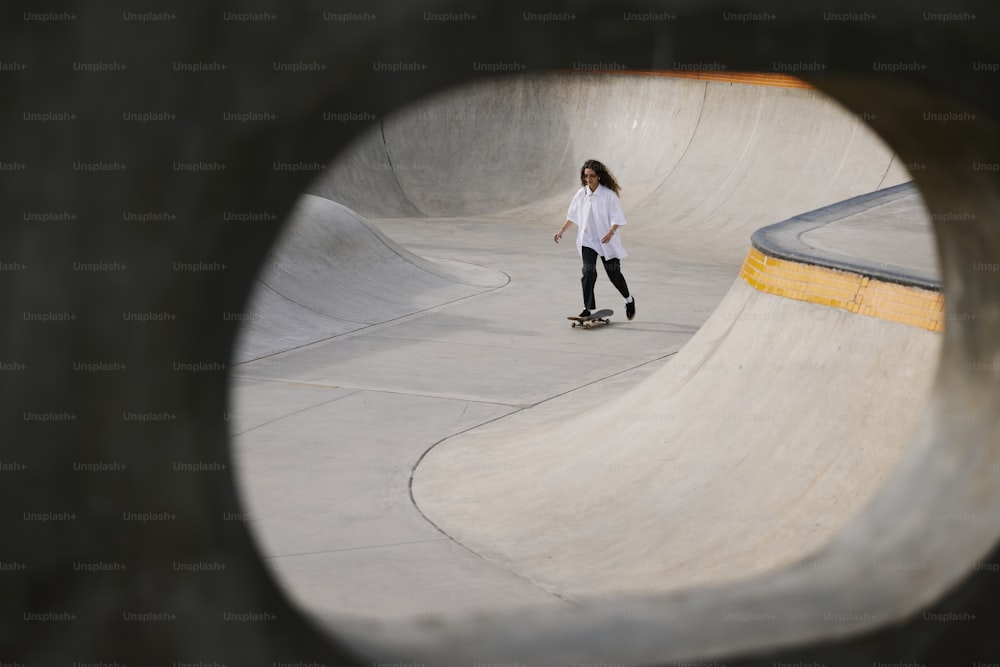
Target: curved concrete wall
513	149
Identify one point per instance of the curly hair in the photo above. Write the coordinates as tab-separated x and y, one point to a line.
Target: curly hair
604	176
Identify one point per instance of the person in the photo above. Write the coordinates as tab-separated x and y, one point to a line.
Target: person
597	212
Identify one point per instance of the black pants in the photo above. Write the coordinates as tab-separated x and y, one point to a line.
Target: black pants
612	267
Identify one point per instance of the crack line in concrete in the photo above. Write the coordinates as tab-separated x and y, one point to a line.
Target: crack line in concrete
344	549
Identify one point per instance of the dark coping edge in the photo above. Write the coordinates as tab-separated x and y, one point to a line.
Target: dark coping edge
783	240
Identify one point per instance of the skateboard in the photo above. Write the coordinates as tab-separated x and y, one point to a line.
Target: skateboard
600	317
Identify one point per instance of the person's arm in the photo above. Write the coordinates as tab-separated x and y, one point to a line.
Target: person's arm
617	216
607	237
562	230
573	212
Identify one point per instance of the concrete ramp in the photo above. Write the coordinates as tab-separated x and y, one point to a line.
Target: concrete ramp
333	273
751	448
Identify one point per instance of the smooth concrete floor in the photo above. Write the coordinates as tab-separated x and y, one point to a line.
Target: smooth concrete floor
326	435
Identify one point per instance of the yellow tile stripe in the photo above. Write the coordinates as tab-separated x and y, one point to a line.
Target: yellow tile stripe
842	289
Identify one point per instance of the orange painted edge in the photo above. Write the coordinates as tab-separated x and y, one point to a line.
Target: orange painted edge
752	78
772	79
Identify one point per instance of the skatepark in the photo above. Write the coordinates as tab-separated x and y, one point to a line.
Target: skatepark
289	381
419	432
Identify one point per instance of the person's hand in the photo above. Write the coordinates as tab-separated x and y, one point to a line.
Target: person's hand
557	236
607	237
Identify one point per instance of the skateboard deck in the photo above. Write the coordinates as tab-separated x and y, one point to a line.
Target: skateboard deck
599	317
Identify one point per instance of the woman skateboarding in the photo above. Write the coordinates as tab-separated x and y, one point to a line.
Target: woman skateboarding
597	213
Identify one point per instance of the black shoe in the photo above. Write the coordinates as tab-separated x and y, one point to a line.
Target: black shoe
585	313
630	309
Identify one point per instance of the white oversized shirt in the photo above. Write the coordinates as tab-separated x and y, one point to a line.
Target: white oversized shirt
593	213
